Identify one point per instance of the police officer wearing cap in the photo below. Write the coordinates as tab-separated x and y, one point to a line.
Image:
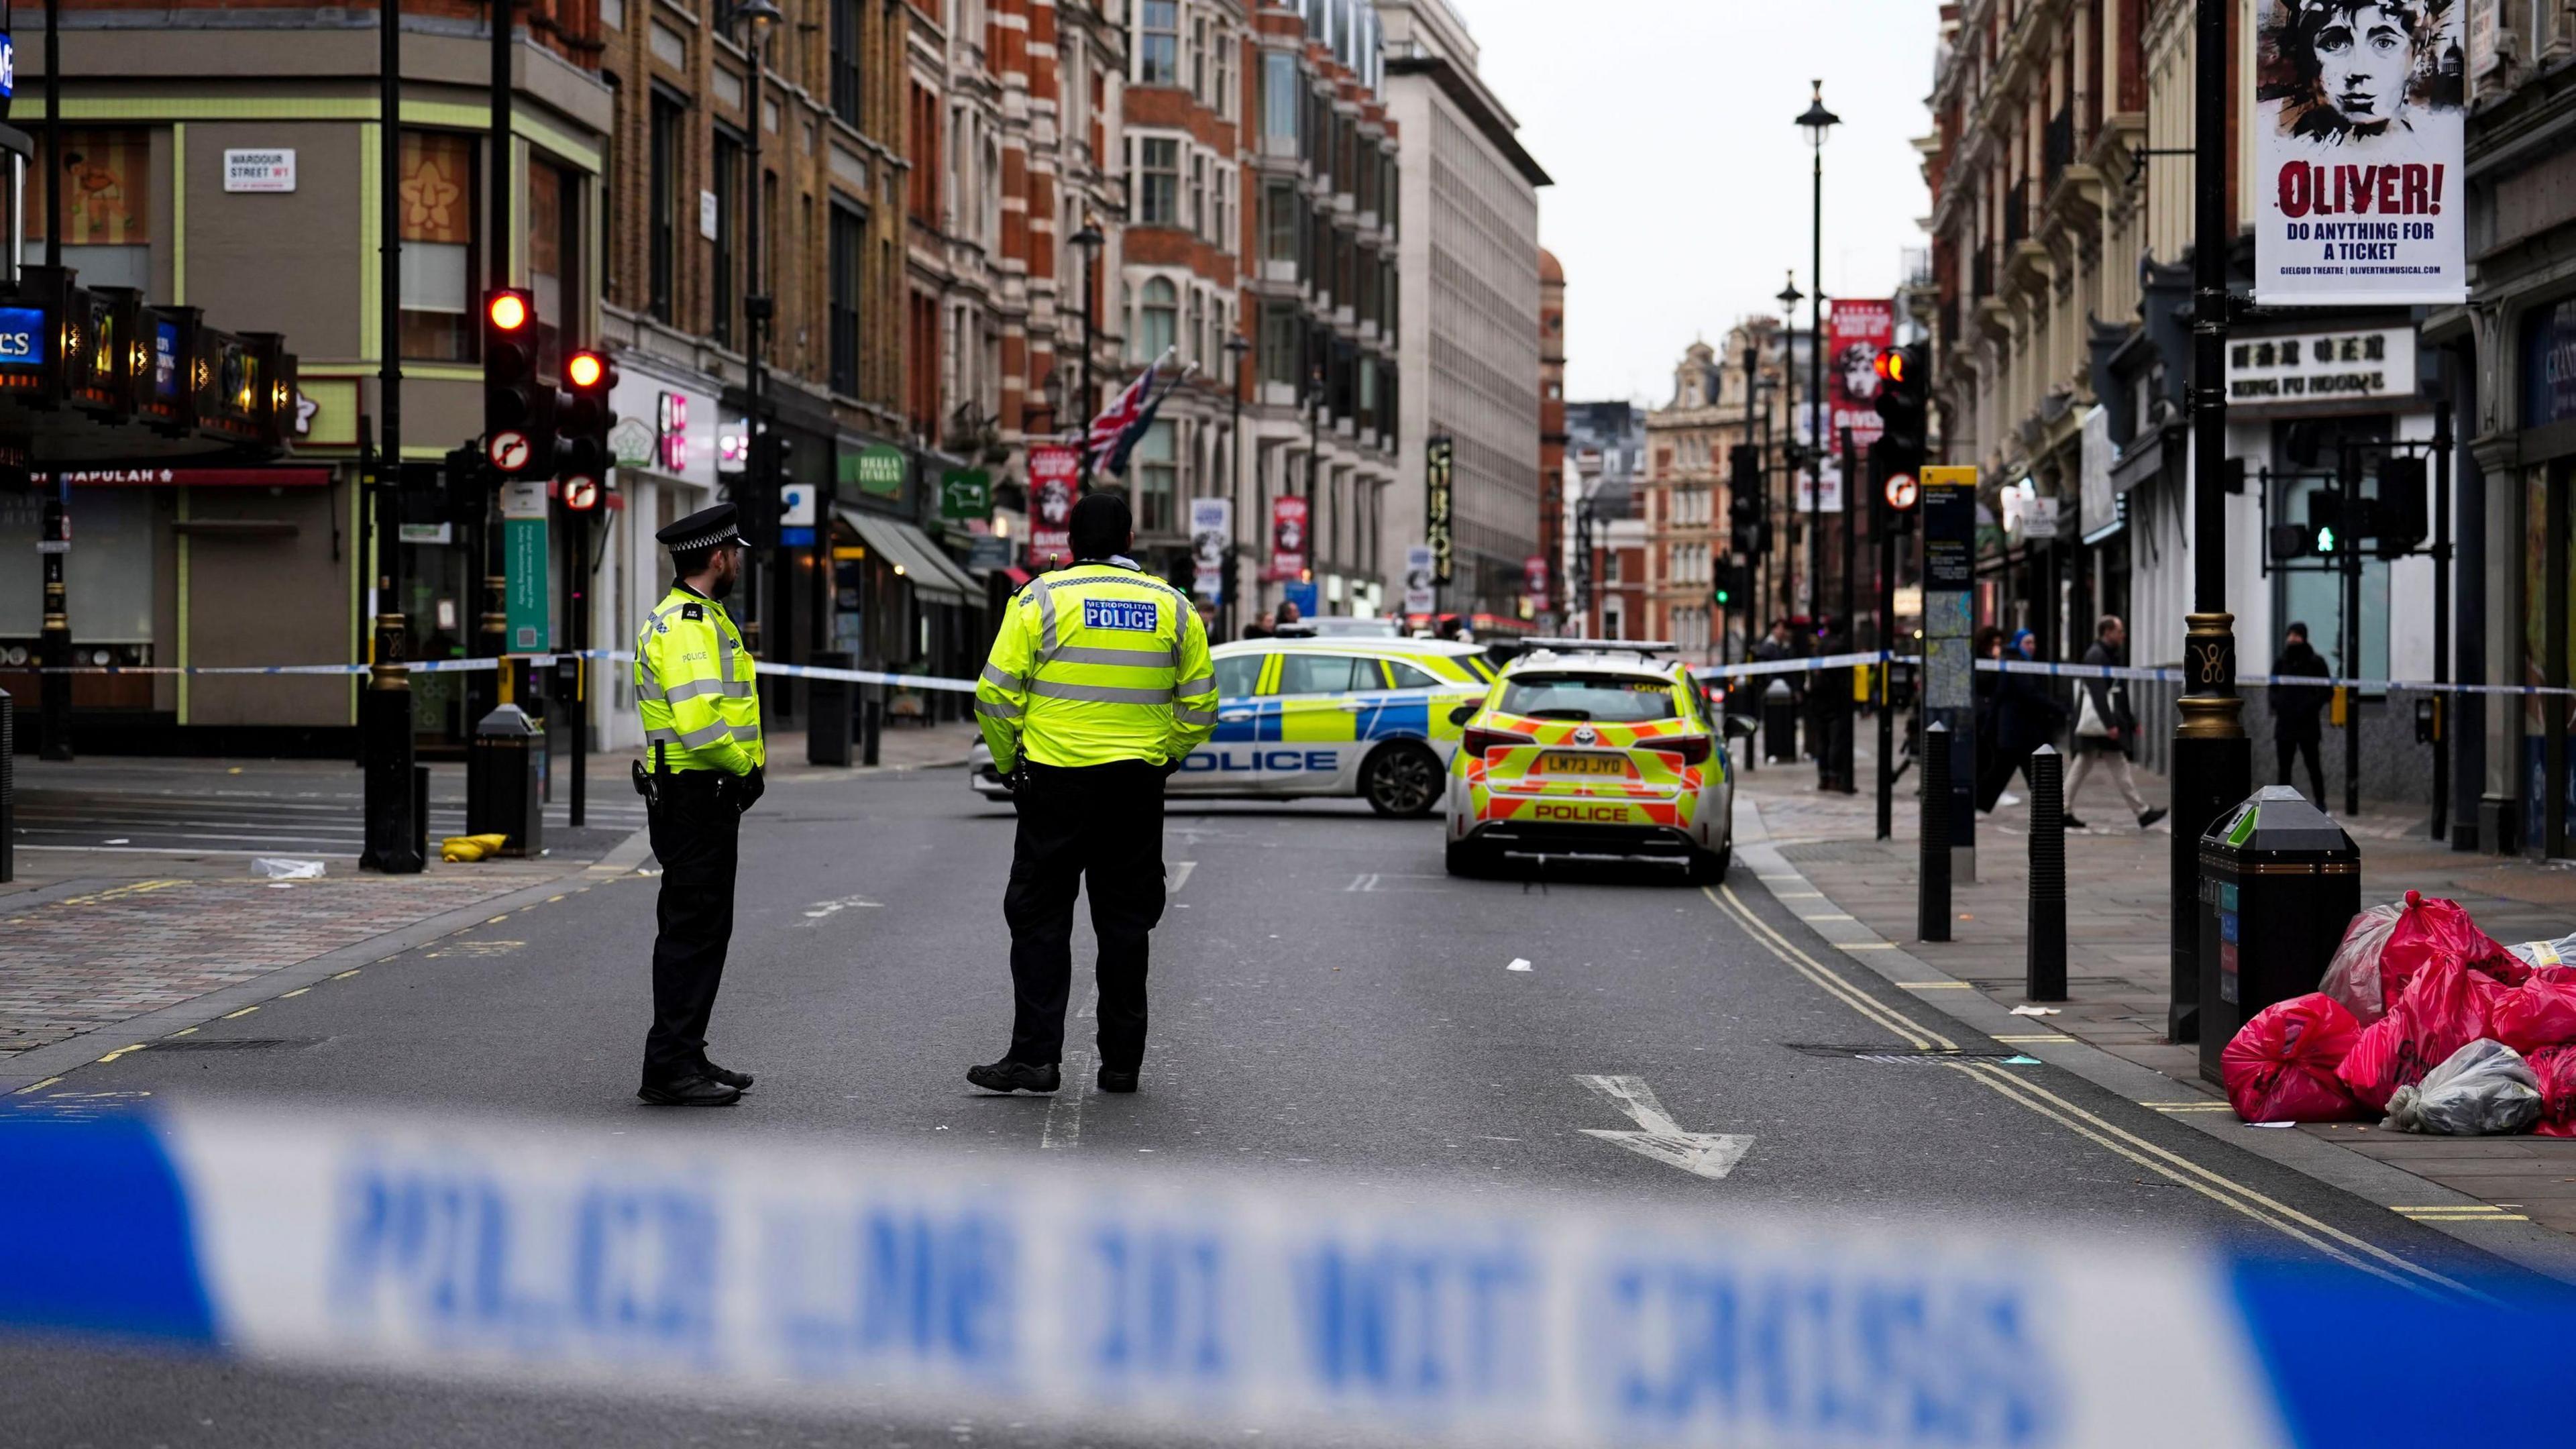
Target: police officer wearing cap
1098	685
701	714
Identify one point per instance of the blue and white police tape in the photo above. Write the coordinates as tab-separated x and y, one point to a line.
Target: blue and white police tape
1185	1301
2167	674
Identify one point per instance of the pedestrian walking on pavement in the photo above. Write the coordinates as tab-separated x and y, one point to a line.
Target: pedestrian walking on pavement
2295	707
2026	717
701	716
2106	728
1098	686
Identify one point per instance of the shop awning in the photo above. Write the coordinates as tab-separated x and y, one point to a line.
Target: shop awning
924	566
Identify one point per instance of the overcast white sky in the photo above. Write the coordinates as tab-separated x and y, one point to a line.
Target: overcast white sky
1681	190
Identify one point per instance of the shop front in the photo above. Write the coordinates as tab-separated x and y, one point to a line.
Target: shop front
2538	506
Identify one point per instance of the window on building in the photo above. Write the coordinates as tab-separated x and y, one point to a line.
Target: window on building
440	205
1158	182
1195	349
1199	57
1158	43
1283	343
107	206
667	151
1157	311
1282	95
1158	479
845	60
1199	220
725	266
848	240
1221	75
1280	220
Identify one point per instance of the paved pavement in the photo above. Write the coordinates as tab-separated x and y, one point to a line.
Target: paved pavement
126	907
1325	998
2118	962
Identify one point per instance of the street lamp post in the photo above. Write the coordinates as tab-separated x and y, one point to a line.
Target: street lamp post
1314	468
1088	242
1236	346
1818	123
760	15
2213	765
392	834
1789	298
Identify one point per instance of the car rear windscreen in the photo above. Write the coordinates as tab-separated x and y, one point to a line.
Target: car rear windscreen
1601	698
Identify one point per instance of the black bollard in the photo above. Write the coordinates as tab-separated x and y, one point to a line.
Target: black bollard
1932	884
2044	963
871	720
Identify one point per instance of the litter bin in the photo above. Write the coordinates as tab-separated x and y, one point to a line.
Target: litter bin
828	718
504	784
1779	721
2279	881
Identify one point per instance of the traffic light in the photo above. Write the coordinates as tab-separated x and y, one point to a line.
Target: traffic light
2404	519
755	489
581	427
2292	541
1904	398
518	411
1734	584
1744	481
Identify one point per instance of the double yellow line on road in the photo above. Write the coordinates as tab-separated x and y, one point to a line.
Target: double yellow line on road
2325	1238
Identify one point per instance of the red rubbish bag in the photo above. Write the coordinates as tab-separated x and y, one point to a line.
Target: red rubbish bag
2446	1007
2280	1066
2555	1067
2541	1012
2433	929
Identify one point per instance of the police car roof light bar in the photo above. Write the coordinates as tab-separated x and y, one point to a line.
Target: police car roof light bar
1599	646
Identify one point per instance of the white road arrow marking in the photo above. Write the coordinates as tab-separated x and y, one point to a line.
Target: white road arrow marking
1704	1154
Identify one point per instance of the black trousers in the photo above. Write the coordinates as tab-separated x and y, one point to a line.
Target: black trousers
697	832
1104	822
2288	745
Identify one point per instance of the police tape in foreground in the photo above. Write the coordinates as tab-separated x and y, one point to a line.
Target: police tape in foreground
1173	1300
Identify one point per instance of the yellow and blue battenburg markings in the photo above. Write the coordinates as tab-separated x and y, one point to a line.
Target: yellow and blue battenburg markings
1155	1299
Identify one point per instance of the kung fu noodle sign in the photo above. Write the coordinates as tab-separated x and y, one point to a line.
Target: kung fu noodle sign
2358	153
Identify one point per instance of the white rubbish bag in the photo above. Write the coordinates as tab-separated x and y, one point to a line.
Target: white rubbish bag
2484	1089
275	867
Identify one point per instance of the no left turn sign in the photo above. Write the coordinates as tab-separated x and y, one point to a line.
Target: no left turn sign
581	494
1901	491
507	450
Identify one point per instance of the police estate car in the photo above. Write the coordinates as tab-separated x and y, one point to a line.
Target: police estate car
1338	716
1593	751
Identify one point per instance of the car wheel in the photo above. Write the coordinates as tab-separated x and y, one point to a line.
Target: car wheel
1709	867
1402	780
1467	860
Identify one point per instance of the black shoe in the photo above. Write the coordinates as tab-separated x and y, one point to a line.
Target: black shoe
740	1081
689	1092
1117	1081
1010	1076
2074	824
2148	820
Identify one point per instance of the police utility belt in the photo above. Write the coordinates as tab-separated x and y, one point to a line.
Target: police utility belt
651	783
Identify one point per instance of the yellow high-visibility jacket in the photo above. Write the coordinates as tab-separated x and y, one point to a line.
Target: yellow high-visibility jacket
694	690
1097	663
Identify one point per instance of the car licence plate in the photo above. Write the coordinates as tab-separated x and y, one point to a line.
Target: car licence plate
1559	762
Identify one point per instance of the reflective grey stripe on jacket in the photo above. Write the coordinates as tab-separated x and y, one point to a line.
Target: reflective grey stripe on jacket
1098	693
697	738
1002	678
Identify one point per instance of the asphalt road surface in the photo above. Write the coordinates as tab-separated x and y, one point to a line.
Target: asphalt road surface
1323	995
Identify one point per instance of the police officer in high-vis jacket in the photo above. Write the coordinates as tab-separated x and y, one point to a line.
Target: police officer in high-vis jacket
1098	686
701	771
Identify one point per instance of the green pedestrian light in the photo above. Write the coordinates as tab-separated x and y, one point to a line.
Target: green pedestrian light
2326	539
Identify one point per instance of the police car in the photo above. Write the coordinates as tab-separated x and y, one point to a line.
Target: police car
1339	716
1590	750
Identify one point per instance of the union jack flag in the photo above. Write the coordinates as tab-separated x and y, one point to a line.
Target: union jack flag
1127	413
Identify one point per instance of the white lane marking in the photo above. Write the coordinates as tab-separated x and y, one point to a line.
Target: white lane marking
1064	1109
1362	882
1520	963
1703	1154
825	910
1181	874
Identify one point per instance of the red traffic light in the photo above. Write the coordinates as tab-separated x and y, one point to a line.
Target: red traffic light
1890	365
508	310
585	369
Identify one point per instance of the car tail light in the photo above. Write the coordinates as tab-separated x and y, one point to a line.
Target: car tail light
1692	748
1477	741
